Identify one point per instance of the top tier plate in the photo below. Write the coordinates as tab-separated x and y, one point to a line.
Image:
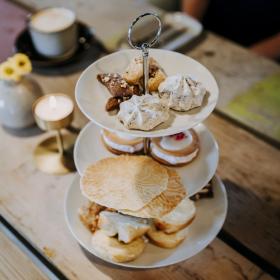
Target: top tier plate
91	96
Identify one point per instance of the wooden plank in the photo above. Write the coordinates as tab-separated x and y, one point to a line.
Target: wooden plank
217	261
33	202
37	211
241	155
239	72
254	198
247	160
234	67
258	107
14	264
244	159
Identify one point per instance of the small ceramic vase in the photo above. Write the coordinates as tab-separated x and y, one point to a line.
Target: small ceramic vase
16	99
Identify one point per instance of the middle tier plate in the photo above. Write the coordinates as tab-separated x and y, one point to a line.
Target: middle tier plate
195	175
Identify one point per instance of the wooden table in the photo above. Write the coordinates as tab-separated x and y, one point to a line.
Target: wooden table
31	203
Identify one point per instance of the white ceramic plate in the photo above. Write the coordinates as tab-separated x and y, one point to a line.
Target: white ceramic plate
209	220
179	20
91	95
89	149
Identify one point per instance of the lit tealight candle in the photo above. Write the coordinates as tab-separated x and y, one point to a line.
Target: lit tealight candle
53	111
54	107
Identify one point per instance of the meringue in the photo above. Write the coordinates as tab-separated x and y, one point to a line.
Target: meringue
143	112
181	93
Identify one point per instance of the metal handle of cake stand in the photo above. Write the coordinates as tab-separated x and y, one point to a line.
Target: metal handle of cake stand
144	47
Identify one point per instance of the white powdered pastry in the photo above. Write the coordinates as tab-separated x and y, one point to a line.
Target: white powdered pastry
181	93
126	227
173	159
143	112
171	144
123	148
183	212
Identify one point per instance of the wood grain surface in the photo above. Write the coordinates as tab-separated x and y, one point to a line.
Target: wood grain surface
14	264
254	198
235	68
33	202
37	212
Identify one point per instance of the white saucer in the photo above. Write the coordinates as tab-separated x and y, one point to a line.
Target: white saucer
91	95
89	149
209	220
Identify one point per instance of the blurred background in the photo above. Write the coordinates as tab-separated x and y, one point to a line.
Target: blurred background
254	24
237	40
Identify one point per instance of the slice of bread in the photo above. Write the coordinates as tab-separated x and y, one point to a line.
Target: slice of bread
165	240
127	228
178	218
110	248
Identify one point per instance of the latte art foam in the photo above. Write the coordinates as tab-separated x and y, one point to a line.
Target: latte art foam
52	19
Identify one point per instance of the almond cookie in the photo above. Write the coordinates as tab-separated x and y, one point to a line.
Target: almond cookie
119	89
134	73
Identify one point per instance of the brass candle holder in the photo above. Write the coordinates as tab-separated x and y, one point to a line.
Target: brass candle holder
54	155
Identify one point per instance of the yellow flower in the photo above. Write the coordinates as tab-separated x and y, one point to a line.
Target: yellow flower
22	63
9	72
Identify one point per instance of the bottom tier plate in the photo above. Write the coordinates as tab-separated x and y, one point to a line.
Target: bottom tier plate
209	219
195	175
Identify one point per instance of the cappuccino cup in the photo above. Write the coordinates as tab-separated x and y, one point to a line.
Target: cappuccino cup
54	32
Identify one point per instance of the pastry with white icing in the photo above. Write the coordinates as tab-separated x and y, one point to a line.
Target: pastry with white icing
181	93
120	143
143	112
175	150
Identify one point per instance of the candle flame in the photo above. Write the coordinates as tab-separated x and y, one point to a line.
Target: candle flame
52	102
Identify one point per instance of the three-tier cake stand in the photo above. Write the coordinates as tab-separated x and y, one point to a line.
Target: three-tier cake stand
91	98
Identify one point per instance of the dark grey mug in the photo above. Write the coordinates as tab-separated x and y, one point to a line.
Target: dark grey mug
54	32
